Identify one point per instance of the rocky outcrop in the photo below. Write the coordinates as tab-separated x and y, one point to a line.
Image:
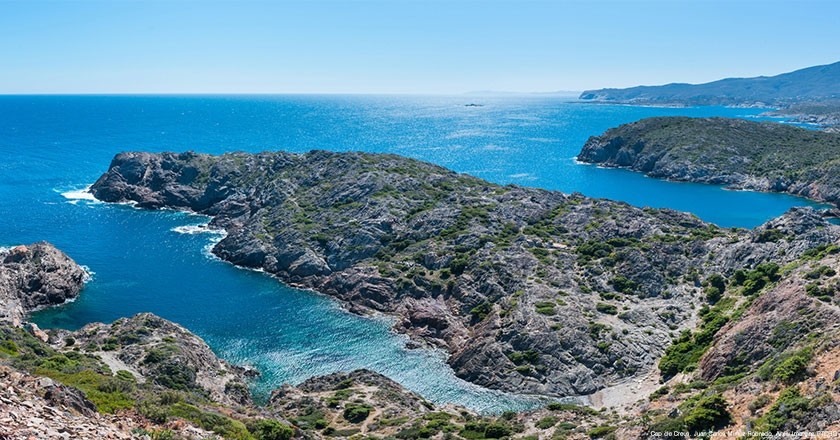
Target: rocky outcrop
331	399
738	153
160	351
528	290
36	276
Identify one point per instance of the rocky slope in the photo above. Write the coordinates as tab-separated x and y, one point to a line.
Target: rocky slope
528	290
40	408
774	361
734	152
812	84
35	276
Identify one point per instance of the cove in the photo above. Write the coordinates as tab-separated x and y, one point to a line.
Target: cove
55	145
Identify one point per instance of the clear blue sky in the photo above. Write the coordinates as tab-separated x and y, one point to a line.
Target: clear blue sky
402	46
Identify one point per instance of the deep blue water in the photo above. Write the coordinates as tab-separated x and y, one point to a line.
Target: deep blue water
53	145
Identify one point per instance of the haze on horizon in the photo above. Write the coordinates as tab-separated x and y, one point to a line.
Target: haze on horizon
402	46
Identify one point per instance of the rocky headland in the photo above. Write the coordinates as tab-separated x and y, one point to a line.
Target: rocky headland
529	291
737	153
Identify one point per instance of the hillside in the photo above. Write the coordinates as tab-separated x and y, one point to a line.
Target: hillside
734	152
527	290
811	84
763	355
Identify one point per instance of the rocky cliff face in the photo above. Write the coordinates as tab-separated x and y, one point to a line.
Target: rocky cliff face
528	290
36	276
738	153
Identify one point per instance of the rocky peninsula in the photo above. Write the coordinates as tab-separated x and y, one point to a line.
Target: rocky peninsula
734	152
528	290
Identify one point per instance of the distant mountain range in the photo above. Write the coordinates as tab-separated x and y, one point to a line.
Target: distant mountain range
812	84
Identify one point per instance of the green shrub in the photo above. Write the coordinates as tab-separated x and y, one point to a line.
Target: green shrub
662	391
792	368
790	407
601	431
356	413
174	376
763	275
473	429
689	347
578	409
609	309
546	422
9	347
268	429
416	432
822	271
545	308
593	250
481	311
759	402
623	284
497	430
459	265
710	413
530	355
154	356
769	235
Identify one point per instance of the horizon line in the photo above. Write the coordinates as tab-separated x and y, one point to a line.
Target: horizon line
465	94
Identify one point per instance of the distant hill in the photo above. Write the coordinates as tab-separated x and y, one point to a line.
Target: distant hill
811	84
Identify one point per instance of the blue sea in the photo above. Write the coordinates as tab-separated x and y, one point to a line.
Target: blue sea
54	146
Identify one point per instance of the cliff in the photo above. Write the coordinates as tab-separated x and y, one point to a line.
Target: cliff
733	152
528	290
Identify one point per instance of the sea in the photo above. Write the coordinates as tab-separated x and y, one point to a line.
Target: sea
53	147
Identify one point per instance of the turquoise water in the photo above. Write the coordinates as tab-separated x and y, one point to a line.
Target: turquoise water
52	146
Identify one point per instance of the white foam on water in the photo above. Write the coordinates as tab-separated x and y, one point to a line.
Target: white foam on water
88	277
193	229
74	196
218	235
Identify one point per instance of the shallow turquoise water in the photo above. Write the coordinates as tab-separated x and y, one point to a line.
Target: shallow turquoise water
54	145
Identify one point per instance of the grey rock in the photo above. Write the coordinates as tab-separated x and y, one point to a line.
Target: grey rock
36	276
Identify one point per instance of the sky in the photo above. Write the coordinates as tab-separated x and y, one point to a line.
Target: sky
402	46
